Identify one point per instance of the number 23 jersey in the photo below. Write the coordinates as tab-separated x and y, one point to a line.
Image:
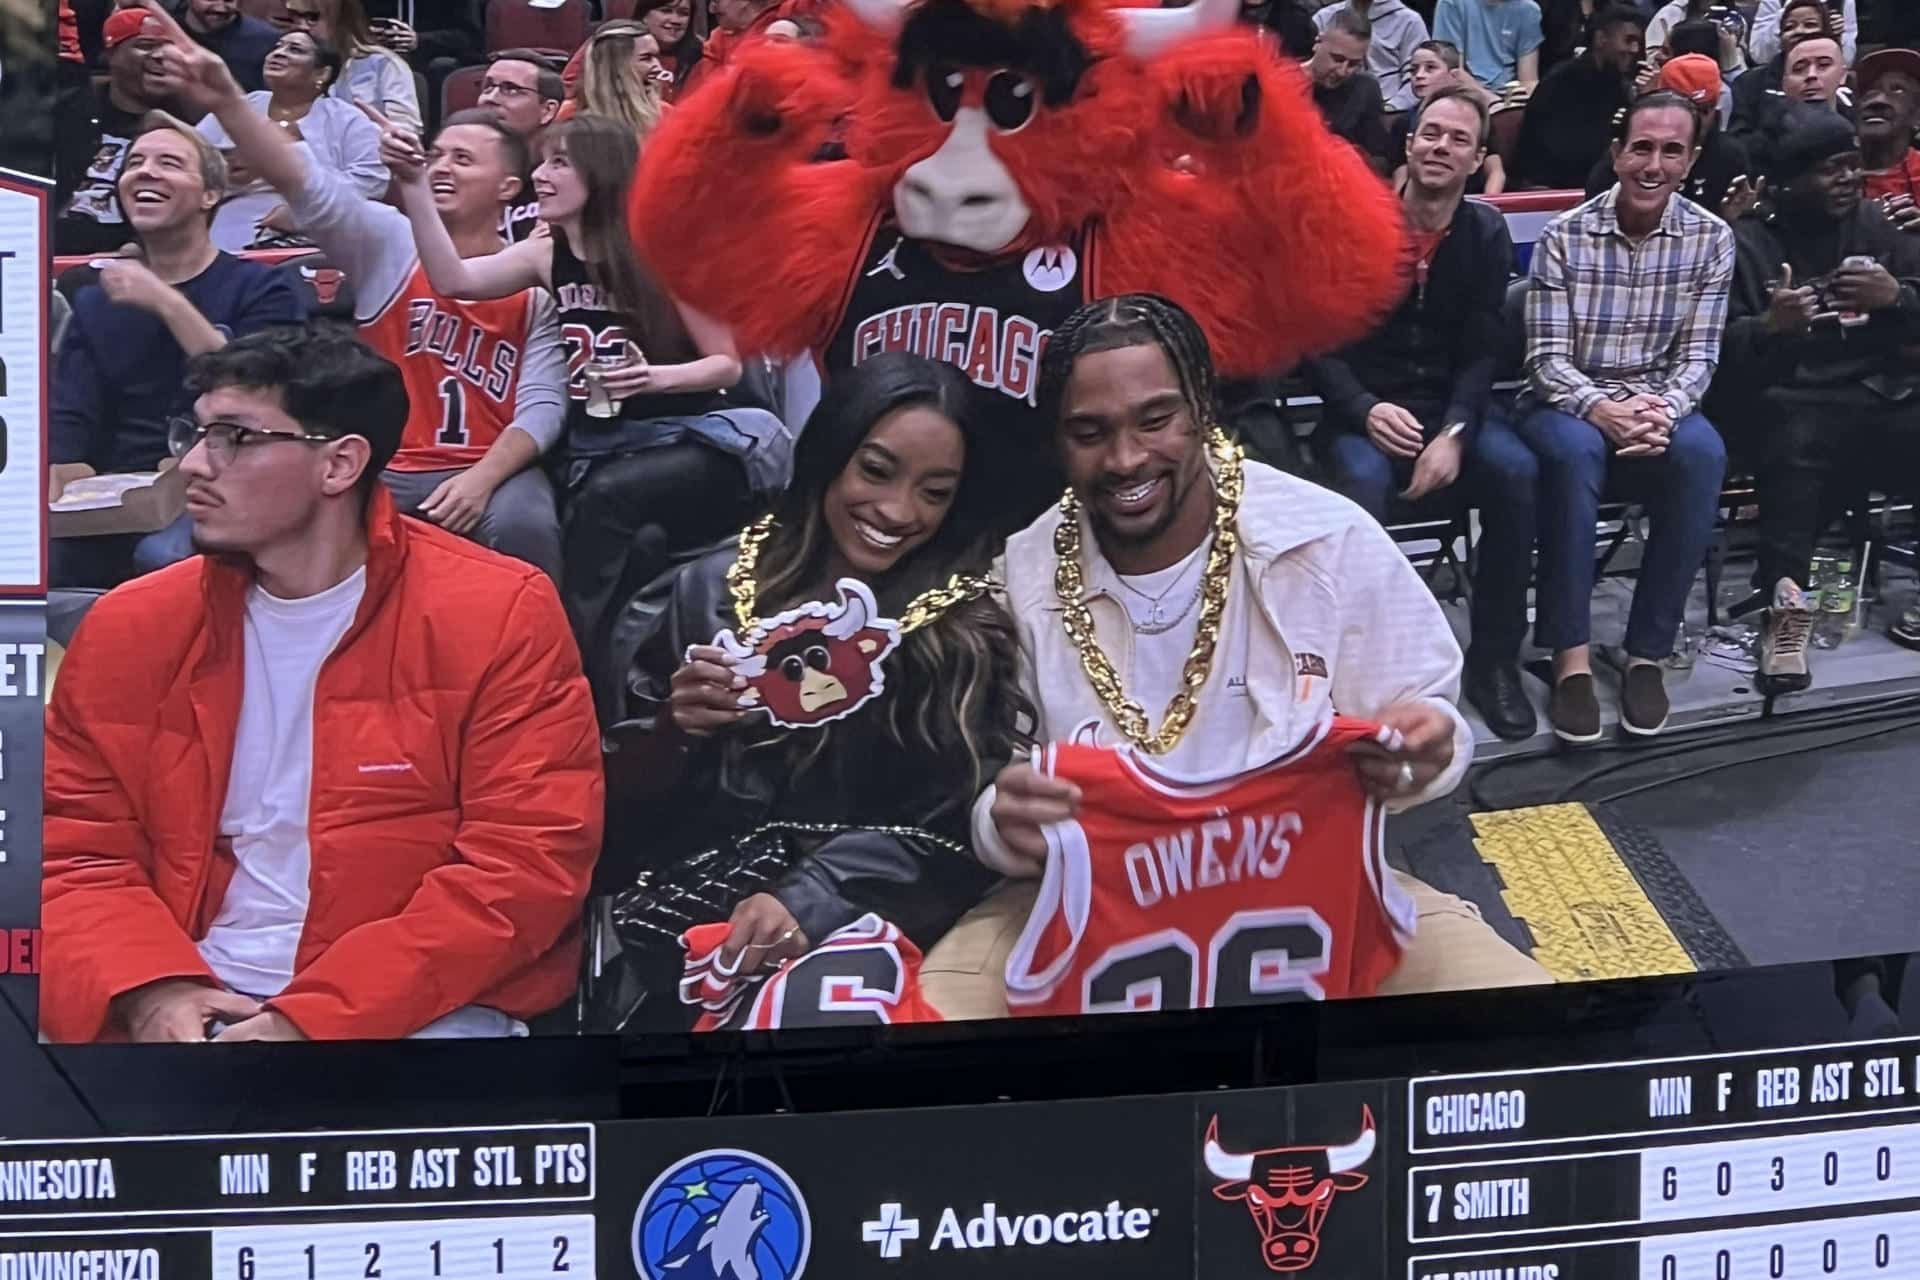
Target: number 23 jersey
1253	888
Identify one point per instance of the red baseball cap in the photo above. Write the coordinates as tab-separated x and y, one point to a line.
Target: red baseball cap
1693	76
122	26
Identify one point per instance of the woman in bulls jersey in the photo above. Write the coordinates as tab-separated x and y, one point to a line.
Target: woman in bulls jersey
670	463
893	486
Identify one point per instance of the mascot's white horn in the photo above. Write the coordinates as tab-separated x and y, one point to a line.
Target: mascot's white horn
1151	30
884	16
853	616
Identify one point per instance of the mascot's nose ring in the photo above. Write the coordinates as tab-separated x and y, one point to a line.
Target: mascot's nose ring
1006	96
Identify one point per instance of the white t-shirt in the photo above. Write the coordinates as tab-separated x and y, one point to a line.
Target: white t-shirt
1160	658
253	940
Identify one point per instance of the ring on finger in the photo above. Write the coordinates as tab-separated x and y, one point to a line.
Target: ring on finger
1403	781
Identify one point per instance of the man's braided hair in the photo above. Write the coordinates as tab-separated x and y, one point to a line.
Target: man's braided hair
1129	320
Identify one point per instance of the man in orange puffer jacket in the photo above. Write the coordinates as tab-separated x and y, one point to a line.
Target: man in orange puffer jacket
340	776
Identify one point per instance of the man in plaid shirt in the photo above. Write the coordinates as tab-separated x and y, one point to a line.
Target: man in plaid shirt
1625	312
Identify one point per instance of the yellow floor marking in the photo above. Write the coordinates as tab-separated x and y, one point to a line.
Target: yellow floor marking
1590	918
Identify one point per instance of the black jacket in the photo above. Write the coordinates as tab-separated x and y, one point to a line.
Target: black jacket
1439	347
1568	125
1881	356
736	782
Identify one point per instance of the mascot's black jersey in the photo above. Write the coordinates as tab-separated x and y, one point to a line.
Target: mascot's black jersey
993	323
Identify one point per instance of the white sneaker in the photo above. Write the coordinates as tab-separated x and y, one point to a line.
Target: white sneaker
1784	639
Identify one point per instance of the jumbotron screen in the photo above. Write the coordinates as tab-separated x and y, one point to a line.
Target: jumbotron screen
1788	1164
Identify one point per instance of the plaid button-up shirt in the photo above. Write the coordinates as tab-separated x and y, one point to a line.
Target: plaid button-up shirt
1607	318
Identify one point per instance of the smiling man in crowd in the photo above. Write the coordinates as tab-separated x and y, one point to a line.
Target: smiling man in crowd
242	42
1888	113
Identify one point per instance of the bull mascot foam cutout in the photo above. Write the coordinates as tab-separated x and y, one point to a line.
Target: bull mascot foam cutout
1288	1190
1006	161
817	662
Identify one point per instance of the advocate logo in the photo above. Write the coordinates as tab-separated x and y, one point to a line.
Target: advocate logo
991	1229
722	1214
1289	1190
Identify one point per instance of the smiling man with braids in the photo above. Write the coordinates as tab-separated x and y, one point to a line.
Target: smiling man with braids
1213	613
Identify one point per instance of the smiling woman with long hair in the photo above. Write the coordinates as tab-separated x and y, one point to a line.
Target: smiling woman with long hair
622	77
658	459
893	486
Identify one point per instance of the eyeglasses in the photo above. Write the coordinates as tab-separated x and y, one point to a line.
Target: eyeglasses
224	440
505	89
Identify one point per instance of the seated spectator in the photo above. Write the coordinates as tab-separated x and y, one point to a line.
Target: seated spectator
1625	309
1128	384
1499	40
485	380
894	447
1436	68
93	148
1814	77
1396	32
1408	406
524	93
1888	111
1757	95
1570	118
652	442
670	23
1822	339
452	35
333	134
119	375
622	78
1721	179
1348	99
1713	41
305	667
1768	41
241	41
1727	29
370	73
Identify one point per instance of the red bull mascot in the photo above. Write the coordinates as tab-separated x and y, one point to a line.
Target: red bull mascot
955	177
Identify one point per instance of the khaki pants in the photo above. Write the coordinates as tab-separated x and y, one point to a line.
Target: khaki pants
1453	949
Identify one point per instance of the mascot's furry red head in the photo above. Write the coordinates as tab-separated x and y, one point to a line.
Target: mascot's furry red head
891	185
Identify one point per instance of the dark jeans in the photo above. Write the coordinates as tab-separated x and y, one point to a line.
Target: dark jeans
1814	456
1501	477
1680	491
664	499
111	559
520	520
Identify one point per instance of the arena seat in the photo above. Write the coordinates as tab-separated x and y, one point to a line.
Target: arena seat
460	90
516	24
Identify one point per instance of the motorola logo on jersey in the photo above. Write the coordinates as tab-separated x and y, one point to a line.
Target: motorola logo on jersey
722	1214
1288	1191
1001	353
989	1227
1052	268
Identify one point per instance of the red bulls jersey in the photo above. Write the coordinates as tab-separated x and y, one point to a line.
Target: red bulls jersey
1167	893
863	974
461	363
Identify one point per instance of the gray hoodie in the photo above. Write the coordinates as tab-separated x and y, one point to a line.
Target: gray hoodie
1397	30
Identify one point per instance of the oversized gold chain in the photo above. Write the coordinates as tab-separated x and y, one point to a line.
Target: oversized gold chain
1069	584
922	609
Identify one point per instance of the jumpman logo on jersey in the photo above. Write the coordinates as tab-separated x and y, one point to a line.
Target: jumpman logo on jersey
889	264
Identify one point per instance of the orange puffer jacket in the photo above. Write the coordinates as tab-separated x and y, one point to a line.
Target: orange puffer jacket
456	808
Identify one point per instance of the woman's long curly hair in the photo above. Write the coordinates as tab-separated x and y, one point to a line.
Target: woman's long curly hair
953	685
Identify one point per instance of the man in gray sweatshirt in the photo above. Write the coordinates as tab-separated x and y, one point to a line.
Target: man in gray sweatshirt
1397	30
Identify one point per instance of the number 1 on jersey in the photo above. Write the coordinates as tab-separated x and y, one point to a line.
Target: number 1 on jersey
453	402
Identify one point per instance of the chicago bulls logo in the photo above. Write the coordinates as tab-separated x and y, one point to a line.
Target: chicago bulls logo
325	282
815	663
1288	1190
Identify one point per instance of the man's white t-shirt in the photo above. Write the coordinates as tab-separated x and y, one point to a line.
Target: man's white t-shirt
256	935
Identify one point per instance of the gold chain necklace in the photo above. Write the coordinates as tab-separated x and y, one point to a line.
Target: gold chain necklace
922	609
1070	586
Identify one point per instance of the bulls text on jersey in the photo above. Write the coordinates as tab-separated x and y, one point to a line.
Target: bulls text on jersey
480	357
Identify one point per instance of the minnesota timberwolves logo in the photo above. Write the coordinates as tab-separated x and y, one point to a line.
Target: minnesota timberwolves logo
722	1215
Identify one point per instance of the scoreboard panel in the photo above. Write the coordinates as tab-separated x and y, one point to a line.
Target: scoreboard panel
1793	1164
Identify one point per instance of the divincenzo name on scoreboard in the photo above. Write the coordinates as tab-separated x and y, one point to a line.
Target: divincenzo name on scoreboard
286	1172
1662	1096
